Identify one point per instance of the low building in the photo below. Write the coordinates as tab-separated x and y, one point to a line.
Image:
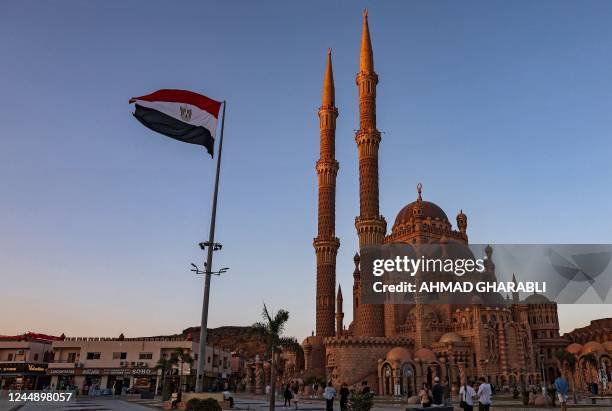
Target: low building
117	363
23	361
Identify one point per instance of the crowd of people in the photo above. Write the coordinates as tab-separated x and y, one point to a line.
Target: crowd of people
472	394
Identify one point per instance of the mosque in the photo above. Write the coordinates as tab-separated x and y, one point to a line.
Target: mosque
397	347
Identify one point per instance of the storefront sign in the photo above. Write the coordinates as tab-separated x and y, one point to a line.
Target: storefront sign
8	369
128	371
35	368
23	368
60	371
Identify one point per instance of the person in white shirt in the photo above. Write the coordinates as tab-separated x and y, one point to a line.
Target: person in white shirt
467	394
268	390
484	395
329	394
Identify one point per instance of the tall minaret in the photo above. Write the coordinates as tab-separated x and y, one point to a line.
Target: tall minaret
371	226
326	243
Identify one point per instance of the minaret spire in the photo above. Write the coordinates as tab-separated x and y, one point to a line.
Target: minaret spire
366	57
326	243
371	226
329	93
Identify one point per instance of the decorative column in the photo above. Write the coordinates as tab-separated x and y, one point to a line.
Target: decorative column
259	378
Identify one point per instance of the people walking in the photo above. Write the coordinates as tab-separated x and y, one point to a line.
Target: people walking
268	390
466	395
562	389
344	396
296	395
484	395
329	394
287	395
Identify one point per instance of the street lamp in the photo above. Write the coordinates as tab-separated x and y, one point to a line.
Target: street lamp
216	246
196	270
210	246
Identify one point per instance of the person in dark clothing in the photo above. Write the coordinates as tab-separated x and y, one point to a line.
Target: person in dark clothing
176	401
437	392
288	395
344	396
365	388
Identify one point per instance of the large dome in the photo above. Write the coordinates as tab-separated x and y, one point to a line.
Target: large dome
429	210
536	298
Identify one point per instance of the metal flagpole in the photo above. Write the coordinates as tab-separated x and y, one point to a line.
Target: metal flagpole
208	269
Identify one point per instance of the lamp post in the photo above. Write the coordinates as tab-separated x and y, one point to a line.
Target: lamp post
210	246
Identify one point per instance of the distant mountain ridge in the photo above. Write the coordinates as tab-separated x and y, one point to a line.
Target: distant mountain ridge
231	338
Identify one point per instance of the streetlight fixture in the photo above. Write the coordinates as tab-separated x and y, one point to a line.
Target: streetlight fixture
196	270
216	246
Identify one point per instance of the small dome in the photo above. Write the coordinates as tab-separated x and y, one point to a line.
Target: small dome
425	355
592	347
536	298
398	354
450	338
574	348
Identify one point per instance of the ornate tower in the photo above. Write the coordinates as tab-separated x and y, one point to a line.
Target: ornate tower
371	226
326	243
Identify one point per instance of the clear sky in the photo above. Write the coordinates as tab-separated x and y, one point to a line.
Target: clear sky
500	108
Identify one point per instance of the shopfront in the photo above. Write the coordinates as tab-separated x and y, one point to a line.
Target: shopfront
62	378
23	376
104	381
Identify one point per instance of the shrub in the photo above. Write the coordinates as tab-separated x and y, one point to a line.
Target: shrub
197	404
361	402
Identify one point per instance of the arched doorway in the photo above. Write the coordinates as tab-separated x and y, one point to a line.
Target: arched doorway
408	381
552	374
387	373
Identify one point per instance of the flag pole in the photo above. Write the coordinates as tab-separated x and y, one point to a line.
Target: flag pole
208	269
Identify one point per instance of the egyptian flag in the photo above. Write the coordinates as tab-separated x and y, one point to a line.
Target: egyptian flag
180	114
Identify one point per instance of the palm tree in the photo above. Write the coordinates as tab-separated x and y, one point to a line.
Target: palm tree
180	356
589	360
271	330
568	361
164	365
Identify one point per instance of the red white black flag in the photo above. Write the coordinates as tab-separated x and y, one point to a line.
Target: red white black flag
180	114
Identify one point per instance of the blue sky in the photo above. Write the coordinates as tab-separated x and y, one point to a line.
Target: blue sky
499	108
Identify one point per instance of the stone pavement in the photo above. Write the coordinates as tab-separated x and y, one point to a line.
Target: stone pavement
257	403
85	404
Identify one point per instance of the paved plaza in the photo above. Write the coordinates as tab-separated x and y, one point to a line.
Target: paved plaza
254	403
86	404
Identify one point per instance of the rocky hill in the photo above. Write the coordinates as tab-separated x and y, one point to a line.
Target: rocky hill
231	338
